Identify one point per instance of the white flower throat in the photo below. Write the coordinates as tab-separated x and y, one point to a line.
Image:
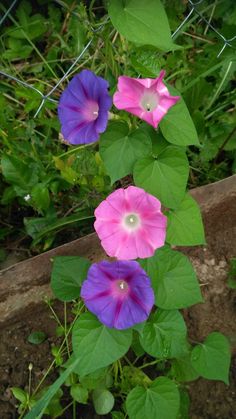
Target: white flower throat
149	100
131	222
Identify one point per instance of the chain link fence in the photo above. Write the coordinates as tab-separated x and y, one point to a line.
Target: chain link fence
193	10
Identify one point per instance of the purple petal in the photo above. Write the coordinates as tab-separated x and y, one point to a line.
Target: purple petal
130	313
101	121
87	134
127	269
94	85
77	90
102	271
80	133
106	270
104	308
105	102
85	93
117	306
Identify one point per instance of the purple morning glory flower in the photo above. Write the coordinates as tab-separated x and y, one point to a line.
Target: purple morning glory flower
83	108
118	293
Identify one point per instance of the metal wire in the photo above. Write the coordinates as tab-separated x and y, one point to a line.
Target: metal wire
8	11
47	96
227	42
193	9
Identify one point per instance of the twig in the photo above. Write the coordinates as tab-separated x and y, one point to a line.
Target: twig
201	38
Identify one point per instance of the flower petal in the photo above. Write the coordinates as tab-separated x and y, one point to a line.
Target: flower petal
101	121
115	307
122	240
83	133
85	94
133	95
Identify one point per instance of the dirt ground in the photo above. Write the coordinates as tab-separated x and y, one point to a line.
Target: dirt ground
209	399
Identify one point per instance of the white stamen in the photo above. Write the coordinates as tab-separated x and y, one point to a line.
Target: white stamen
95	113
122	285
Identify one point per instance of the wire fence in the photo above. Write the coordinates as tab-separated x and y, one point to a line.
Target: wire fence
193	6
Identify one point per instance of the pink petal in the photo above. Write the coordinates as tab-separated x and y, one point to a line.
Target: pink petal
144	245
106	228
147	82
160	86
122	101
144	237
131	92
114	242
107	211
157	115
129	249
148	117
164	105
140	198
117	200
157	220
166	102
154	236
130	86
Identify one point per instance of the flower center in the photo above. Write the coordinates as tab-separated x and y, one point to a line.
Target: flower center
91	112
122	286
131	221
149	100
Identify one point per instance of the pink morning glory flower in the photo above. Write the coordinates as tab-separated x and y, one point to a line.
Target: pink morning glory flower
149	99
118	293
130	224
83	108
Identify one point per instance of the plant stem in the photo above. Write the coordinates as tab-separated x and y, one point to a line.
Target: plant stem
74	409
128	361
220	86
65	329
224	144
60	350
150	363
202	75
67	407
136	359
74	150
55	315
120	368
30	377
115	367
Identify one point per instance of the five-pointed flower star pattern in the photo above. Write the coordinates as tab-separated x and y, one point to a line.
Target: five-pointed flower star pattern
149	99
83	108
118	293
130	224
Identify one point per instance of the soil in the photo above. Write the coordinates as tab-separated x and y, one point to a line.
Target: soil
209	399
214	399
17	353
